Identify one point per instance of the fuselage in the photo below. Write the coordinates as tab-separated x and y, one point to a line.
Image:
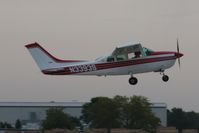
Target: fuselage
154	62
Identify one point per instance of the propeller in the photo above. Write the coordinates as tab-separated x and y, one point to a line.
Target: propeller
178	52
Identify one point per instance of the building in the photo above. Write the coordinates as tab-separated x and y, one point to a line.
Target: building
160	111
31	114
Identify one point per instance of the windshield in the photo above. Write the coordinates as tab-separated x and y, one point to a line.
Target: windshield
147	51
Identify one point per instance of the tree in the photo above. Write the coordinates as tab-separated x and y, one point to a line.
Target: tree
182	120
135	113
56	118
125	111
192	121
18	124
5	125
177	118
141	114
101	112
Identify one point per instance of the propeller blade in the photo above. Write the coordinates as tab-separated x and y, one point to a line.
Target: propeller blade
178	50
179	62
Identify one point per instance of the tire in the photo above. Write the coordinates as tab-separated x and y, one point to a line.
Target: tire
133	81
165	78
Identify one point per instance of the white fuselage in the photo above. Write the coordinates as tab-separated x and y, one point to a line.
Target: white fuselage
133	66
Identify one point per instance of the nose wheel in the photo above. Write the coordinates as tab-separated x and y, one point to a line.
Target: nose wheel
165	78
133	80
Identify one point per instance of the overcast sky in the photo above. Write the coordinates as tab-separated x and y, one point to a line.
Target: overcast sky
87	29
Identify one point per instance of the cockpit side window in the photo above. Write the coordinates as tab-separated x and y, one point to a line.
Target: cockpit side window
110	59
134	55
121	57
117	58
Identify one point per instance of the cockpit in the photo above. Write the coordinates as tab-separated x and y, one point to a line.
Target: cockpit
128	52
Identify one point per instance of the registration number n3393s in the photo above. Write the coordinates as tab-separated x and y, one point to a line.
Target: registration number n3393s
82	68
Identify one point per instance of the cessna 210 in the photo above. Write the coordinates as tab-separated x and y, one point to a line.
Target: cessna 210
128	59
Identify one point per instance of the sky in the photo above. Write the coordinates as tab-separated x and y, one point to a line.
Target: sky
87	29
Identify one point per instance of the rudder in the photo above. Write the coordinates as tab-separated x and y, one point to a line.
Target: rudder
43	59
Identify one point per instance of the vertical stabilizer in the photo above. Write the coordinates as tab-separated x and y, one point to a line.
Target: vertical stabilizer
43	59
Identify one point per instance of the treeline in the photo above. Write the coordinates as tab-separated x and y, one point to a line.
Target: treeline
56	118
182	119
5	125
103	112
117	112
120	112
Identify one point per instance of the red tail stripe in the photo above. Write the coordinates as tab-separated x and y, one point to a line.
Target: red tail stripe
36	45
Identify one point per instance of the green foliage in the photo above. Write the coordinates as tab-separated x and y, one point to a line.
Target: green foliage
56	118
125	111
18	124
133	112
182	120
5	125
136	113
101	112
2	125
75	121
177	118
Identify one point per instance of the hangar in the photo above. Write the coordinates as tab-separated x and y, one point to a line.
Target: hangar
31	114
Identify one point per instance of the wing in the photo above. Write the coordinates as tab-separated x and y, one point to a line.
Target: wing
126	49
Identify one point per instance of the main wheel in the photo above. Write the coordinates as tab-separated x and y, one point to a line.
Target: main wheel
165	78
133	81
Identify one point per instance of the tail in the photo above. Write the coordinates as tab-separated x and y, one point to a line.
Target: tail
44	59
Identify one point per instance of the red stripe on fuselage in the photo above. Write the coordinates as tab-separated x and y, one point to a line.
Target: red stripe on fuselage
161	52
102	66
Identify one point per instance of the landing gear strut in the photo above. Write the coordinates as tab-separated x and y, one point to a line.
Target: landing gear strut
165	78
133	80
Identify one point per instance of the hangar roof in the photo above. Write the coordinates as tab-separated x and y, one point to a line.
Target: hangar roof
59	104
41	104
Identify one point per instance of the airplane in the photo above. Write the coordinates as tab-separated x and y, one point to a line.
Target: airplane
129	59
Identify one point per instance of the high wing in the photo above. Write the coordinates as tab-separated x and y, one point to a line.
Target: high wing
127	49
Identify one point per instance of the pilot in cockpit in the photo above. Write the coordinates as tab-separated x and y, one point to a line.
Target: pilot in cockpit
137	54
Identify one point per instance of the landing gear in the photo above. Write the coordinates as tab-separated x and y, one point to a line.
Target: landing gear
133	80
165	78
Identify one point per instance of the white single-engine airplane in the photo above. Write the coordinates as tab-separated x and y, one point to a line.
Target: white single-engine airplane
128	59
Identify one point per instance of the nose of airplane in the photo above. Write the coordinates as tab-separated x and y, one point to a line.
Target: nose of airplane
178	55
